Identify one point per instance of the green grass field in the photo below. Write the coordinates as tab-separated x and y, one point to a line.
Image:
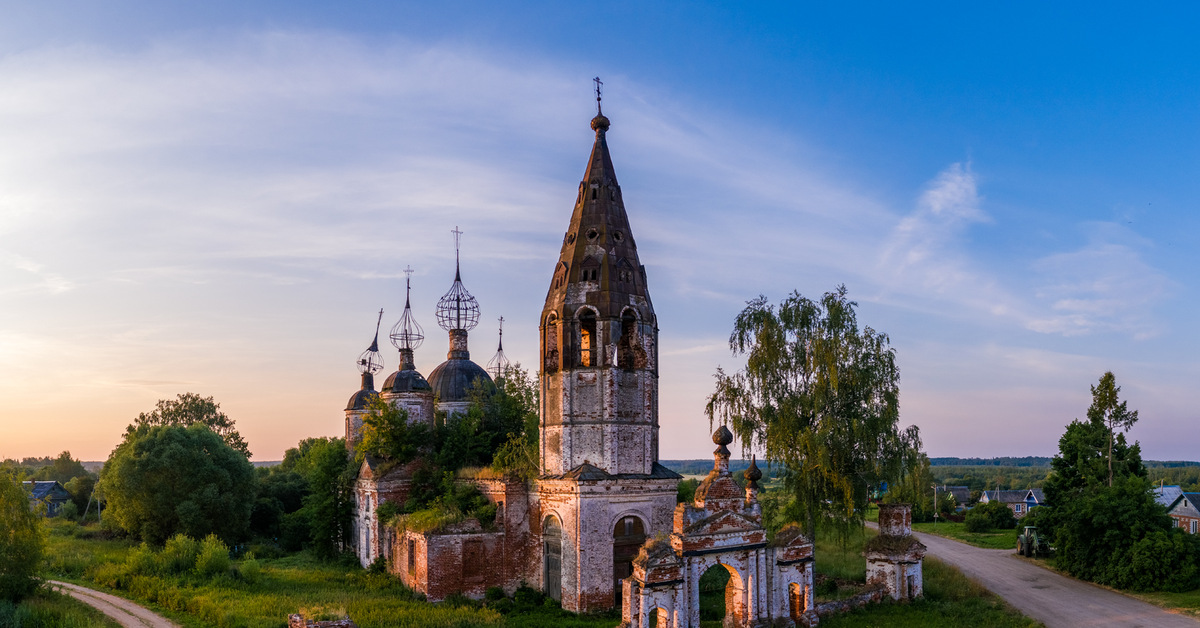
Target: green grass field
50	609
299	582
997	539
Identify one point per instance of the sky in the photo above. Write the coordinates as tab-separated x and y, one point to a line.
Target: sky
218	199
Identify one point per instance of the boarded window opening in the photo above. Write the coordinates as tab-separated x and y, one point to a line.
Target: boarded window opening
552	558
628	536
630	353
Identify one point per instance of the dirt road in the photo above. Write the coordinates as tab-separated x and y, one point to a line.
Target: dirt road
123	611
1053	599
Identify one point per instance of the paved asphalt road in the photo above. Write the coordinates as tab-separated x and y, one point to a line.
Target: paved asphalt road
123	611
1053	599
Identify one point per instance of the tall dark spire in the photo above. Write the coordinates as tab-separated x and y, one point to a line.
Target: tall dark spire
599	245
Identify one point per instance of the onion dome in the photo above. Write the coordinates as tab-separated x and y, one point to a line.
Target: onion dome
499	363
457	313
452	380
406	335
753	474
362	398
722	437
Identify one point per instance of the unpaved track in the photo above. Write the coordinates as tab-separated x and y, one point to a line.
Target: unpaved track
1051	598
123	611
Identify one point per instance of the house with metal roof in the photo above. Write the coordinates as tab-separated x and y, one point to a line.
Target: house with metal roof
1185	511
1019	501
961	495
46	496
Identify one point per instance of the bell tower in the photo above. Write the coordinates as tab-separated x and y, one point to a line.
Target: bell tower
599	337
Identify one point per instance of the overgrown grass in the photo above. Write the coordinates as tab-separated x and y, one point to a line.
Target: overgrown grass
51	609
299	581
996	539
951	601
1187	602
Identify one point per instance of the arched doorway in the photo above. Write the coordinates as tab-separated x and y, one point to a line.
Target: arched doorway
722	596
552	558
628	536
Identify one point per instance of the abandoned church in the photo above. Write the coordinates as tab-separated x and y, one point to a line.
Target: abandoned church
599	526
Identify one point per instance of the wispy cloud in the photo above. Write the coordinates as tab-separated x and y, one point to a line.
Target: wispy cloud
1105	286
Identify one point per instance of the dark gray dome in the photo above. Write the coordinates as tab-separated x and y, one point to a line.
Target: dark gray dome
409	380
360	399
453	378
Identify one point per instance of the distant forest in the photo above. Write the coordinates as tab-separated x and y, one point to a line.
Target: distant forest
1039	461
982	473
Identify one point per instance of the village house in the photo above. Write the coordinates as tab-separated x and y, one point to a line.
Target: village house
961	495
1184	509
1019	501
46	496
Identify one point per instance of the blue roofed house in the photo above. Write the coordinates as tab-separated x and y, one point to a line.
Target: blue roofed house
961	494
46	496
1019	501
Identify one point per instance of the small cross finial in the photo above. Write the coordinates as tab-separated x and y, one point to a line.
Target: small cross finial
599	86
501	325
457	239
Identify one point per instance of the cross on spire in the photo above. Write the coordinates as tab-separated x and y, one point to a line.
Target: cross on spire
457	237
599	86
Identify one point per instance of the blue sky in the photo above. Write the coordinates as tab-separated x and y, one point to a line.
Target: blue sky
217	199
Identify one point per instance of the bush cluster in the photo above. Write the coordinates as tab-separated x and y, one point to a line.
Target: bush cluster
990	516
180	556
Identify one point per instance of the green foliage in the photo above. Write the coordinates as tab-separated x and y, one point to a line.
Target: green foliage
329	504
250	569
62	469
685	491
213	558
1108	410
821	396
453	504
191	409
1121	537
387	433
21	541
280	493
165	480
990	516
50	609
914	487
80	487
1102	516
179	554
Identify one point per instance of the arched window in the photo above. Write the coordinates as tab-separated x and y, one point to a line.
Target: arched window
628	536
630	354
588	354
550	354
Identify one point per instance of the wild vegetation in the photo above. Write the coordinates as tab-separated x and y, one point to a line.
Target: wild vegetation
820	396
1102	517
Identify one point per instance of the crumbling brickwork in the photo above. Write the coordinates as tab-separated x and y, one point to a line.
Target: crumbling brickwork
722	528
894	557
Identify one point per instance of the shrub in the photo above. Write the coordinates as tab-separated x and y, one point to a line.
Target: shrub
213	558
179	554
141	561
493	594
1167	560
21	541
69	511
990	516
378	566
250	569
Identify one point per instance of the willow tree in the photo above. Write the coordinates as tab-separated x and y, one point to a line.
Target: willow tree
821	397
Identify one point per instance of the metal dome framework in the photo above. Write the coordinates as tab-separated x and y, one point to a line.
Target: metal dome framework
371	361
406	333
457	309
499	364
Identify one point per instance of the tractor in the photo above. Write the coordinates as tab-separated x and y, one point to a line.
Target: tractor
1030	543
